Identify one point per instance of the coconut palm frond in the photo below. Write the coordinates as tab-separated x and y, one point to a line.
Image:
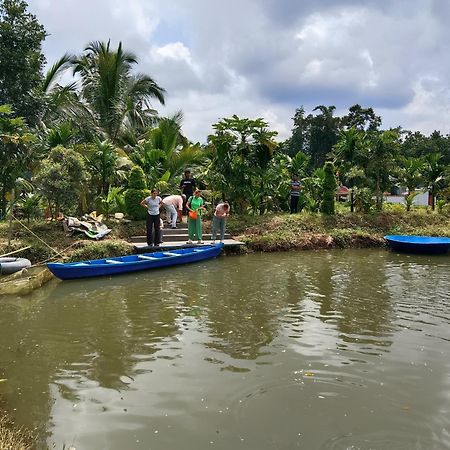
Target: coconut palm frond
57	69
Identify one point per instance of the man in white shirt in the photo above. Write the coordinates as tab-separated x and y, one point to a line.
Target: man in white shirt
173	204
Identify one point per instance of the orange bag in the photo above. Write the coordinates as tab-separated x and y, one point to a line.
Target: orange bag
193	215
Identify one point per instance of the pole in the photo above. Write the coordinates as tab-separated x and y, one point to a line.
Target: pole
11	217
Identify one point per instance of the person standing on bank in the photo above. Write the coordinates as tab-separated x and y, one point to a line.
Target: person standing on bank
187	186
153	205
296	187
173	204
195	206
221	213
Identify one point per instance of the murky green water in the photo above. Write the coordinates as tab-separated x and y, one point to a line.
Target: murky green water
311	350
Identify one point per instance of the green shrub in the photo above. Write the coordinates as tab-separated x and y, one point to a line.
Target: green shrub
329	189
445	209
60	179
136	179
394	207
363	199
135	193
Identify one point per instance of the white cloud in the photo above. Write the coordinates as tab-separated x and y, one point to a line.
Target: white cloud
175	51
268	57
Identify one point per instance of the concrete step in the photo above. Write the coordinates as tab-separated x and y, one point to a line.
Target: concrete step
177	230
142	247
180	226
179	237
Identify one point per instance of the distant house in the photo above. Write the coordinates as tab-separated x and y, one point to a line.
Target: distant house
342	193
422	199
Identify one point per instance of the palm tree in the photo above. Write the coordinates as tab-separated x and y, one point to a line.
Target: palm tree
347	154
434	173
61	101
164	152
410	175
102	158
108	99
115	97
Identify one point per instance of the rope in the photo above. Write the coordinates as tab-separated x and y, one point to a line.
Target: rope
15	251
35	235
40	263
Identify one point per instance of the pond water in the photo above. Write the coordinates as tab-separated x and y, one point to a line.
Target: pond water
312	350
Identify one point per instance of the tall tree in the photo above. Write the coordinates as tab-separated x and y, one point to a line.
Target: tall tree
21	59
324	134
362	118
382	149
16	151
241	150
299	141
348	153
434	173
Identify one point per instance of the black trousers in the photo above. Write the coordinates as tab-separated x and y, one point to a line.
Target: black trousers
185	210
294	203
153	223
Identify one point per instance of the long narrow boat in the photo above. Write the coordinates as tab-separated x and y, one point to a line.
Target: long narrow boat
133	263
419	244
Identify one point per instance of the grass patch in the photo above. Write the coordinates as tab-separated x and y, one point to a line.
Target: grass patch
100	250
13	437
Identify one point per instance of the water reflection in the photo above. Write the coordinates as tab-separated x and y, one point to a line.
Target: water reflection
230	342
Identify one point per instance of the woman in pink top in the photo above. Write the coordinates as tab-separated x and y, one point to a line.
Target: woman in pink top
173	204
219	220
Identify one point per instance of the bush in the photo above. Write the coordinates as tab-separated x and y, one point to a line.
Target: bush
136	179
60	178
135	193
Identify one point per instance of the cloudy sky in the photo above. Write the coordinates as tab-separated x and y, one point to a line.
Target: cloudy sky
265	58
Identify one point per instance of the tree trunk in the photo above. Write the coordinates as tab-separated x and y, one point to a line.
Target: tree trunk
432	198
378	195
10	218
261	199
3	211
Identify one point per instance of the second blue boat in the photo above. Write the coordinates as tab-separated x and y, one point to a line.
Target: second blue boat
419	244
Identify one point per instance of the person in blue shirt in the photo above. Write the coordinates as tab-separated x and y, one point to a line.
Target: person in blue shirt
296	187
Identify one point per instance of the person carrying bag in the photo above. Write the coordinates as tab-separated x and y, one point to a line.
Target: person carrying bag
195	206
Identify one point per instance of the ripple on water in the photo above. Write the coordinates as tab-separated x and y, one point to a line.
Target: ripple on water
381	440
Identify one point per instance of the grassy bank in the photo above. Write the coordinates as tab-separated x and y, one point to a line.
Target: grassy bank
272	232
50	241
313	231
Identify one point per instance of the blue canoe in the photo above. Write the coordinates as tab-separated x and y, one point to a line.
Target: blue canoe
419	244
133	263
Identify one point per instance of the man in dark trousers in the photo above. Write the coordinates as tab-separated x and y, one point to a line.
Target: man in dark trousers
187	187
296	187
